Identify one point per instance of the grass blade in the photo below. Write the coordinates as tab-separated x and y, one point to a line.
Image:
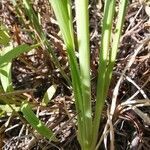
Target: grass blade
116	38
84	58
36	123
65	23
15	52
39	33
103	62
64	18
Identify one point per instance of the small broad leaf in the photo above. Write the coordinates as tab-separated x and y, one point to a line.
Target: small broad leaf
5	72
4	37
6	108
49	94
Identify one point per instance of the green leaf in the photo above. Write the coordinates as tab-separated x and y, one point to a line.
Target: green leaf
49	94
6	108
36	24
36	123
5	72
62	12
82	22
15	52
4	37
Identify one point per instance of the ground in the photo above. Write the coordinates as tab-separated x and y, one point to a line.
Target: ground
35	72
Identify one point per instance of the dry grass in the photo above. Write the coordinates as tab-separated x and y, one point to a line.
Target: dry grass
126	116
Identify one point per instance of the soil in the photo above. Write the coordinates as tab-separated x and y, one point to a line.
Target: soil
35	72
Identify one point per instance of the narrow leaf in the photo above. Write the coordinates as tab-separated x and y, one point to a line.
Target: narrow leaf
15	52
36	123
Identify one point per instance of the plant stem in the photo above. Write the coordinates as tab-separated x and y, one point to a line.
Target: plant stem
82	20
103	62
